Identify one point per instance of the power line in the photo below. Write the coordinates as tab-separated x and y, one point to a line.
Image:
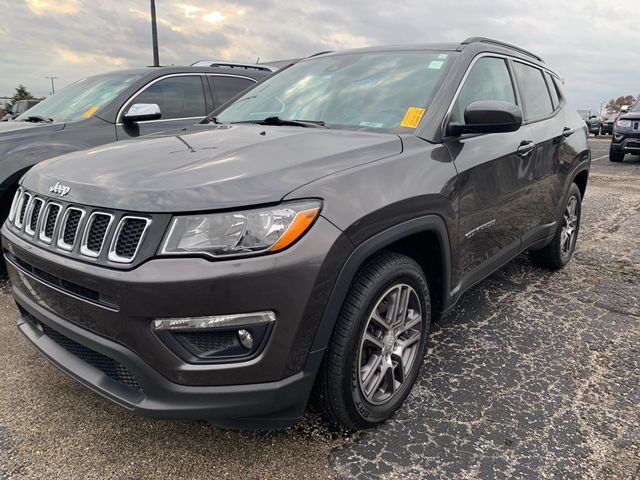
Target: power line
53	88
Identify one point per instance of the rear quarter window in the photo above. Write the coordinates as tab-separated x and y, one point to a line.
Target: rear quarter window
533	91
555	95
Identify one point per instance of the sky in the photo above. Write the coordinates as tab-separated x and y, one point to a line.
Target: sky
592	45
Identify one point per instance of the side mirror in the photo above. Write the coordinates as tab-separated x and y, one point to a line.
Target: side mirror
140	112
489	116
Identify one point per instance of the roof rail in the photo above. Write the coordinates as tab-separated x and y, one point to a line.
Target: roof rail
320	53
498	43
246	66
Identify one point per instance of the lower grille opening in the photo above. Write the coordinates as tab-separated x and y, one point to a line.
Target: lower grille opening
70	287
106	365
209	343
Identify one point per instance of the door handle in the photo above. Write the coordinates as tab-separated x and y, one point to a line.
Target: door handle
567	132
525	148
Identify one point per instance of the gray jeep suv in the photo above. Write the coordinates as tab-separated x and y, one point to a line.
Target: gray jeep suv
298	243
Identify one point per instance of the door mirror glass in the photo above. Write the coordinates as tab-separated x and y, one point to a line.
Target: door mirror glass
140	112
489	116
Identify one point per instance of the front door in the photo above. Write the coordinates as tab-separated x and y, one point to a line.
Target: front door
495	181
181	99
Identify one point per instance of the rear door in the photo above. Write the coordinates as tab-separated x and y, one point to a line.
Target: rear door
225	87
546	130
182	99
494	181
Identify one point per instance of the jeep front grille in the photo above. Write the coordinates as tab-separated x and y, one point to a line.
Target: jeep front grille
78	230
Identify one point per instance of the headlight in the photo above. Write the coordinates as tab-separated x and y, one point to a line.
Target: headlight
241	232
623	123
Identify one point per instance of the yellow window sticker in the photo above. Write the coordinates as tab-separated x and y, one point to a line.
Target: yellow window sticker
90	111
412	117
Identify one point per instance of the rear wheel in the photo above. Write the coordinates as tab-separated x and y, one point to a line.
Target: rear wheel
615	156
378	343
558	253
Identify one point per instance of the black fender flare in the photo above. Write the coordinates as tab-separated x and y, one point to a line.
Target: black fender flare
427	223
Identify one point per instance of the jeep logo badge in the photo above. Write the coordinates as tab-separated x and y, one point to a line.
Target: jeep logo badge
59	189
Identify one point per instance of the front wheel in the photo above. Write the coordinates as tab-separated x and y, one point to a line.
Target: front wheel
558	253
378	343
615	156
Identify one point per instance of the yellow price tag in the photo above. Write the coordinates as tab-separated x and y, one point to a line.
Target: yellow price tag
90	111
412	117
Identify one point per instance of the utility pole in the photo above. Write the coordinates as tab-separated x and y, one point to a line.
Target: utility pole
154	34
53	87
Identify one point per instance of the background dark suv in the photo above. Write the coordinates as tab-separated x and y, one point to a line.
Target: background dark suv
626	135
307	234
93	111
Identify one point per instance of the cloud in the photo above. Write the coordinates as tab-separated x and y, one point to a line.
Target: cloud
589	43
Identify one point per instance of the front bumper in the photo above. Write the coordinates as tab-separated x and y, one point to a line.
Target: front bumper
268	390
626	141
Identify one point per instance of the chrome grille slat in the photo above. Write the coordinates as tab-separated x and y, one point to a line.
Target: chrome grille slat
14	205
21	210
76	230
33	216
95	233
48	226
128	238
71	222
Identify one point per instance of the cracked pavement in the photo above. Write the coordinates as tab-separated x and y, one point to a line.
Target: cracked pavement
533	375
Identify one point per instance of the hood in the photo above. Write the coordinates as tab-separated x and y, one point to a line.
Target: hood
631	116
12	129
211	167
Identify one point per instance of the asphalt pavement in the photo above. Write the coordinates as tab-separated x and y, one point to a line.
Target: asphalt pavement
534	375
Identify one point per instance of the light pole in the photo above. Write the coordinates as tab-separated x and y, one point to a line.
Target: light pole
154	35
53	87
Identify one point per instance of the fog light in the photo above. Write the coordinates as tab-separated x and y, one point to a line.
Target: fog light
215	321
246	340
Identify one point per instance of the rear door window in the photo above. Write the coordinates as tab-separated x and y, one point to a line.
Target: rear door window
555	98
489	79
177	97
225	88
533	91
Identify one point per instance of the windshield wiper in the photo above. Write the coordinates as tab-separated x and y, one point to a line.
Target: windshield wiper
38	118
211	119
277	121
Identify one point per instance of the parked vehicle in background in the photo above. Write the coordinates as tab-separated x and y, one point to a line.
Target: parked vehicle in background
19	107
607	125
302	238
592	120
112	107
626	135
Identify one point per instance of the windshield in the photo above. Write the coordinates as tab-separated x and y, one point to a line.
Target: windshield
379	90
584	114
80	99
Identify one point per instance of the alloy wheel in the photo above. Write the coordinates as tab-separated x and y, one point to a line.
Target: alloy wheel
390	343
569	230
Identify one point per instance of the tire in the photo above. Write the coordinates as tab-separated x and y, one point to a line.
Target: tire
355	362
615	156
558	253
